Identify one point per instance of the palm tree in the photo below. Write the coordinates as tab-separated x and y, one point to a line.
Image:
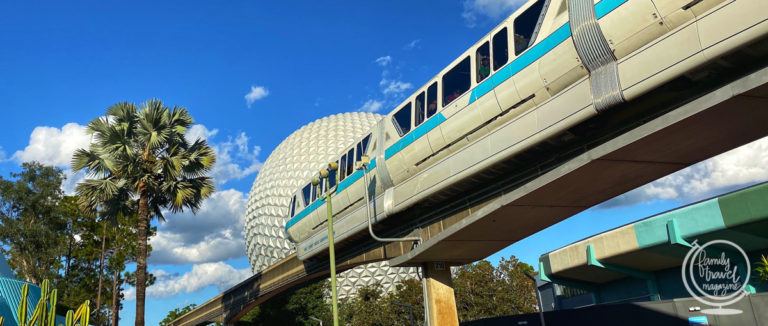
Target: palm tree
142	154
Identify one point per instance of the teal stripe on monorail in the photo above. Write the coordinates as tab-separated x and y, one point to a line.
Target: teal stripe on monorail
306	211
352	178
521	62
605	7
344	184
536	52
414	135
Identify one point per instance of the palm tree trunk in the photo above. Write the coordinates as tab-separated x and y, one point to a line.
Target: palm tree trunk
141	260
116	297
101	269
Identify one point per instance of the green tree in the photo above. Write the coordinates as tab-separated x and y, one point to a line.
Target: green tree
519	290
366	307
761	269
295	307
484	291
143	152
80	281
47	235
372	307
476	288
32	222
123	249
176	313
406	302
311	301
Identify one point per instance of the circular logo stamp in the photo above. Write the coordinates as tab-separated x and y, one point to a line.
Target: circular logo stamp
716	274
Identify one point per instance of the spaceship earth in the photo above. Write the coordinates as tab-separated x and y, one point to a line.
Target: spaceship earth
291	165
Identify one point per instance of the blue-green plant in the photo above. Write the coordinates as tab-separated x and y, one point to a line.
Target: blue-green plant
79	317
44	313
21	311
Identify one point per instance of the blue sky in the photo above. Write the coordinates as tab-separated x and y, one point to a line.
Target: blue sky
62	63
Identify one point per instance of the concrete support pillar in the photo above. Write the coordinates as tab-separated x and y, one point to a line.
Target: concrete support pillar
440	301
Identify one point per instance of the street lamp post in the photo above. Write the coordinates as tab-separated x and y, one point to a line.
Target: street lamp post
327	174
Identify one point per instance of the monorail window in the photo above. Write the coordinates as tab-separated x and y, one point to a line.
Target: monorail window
332	177
362	148
350	161
456	81
293	206
402	120
306	192
525	26
483	62
365	143
420	112
500	49
432	100
359	152
314	193
343	167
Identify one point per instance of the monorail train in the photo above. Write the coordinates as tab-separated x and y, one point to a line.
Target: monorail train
549	66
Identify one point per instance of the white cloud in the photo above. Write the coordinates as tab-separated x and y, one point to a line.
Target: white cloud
384	61
477	10
200	132
394	87
737	168
215	233
54	146
391	88
235	159
219	274
412	45
371	106
256	93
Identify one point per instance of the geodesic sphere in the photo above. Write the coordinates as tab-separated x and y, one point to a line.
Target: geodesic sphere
290	166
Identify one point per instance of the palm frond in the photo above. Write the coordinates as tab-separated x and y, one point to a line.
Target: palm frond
95	164
153	129
188	193
180	120
144	145
200	159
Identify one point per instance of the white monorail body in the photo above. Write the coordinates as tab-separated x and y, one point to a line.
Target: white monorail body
549	66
